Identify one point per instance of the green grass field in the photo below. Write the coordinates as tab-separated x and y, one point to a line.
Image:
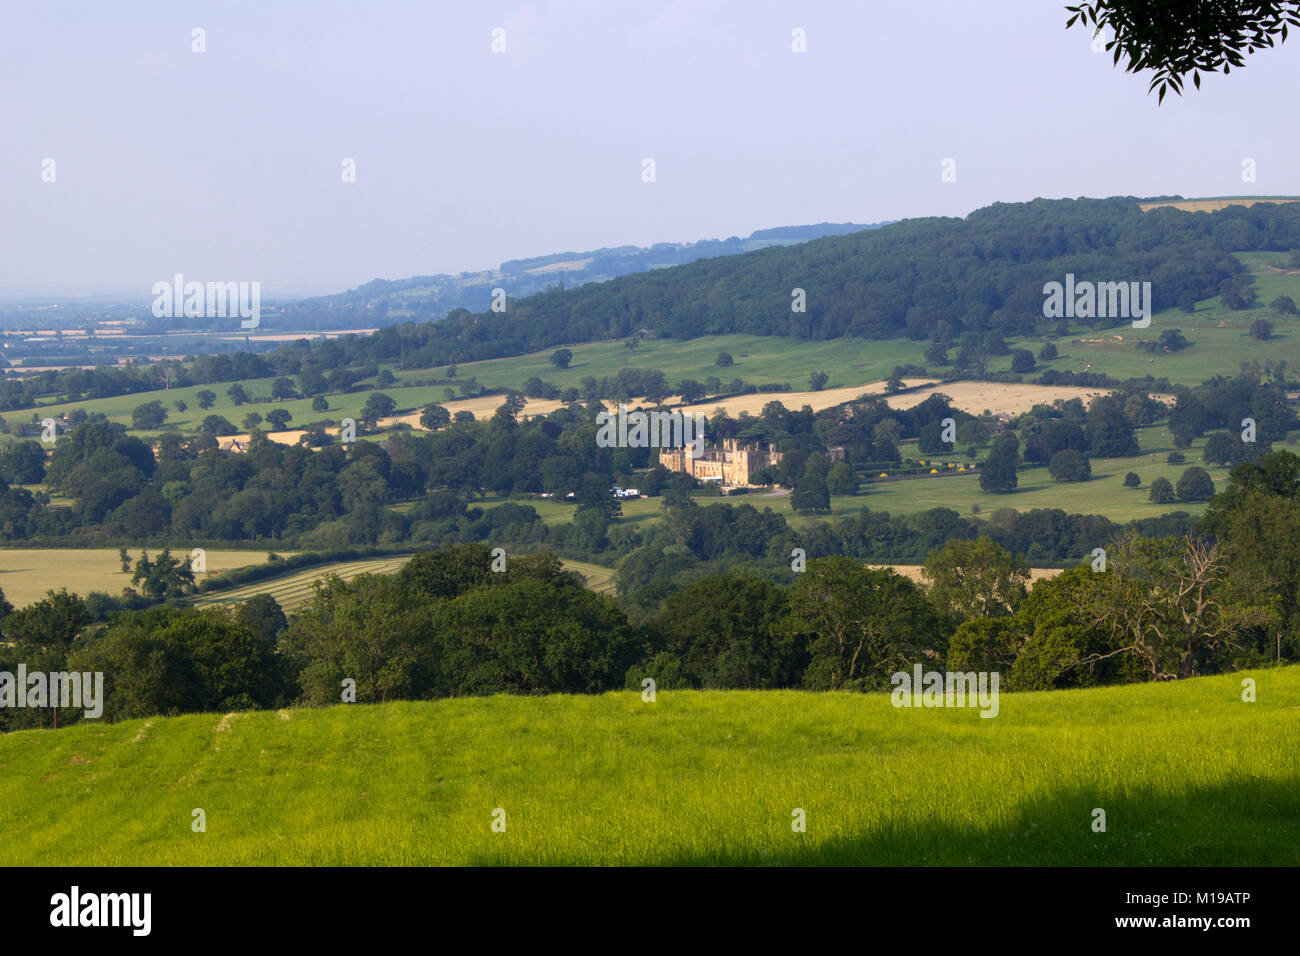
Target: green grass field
1104	495
1186	773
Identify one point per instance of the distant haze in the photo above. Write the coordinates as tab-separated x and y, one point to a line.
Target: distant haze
226	165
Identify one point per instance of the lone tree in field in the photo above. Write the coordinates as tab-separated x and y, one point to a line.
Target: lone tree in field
560	358
998	473
434	417
1069	465
149	415
165	577
817	381
724	360
810	492
1189	37
1162	492
282	389
1195	485
378	405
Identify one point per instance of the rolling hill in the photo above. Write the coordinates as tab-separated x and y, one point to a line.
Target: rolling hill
1186	772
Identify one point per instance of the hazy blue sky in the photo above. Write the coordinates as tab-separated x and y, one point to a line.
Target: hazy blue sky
226	165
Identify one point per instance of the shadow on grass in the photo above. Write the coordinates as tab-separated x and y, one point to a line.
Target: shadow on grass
1251	822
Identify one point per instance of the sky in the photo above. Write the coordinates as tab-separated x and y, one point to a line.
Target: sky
228	164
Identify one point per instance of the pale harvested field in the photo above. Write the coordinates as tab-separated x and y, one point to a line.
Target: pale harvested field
27	573
972	397
913	571
998	398
295	336
1214	205
794	401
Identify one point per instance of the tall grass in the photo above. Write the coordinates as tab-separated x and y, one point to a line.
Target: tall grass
1186	773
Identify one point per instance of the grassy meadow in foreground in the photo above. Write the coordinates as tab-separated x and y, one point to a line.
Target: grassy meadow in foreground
1186	772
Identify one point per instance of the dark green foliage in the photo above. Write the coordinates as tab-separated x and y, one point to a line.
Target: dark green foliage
1195	484
862	624
1162	492
1070	465
1022	360
998	473
150	415
725	632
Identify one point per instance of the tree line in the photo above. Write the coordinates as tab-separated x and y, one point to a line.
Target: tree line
468	620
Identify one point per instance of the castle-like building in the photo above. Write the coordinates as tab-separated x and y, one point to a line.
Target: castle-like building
732	464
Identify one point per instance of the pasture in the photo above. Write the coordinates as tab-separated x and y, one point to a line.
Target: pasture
1185	772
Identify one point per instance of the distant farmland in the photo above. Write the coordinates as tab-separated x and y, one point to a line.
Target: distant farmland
296	588
26	574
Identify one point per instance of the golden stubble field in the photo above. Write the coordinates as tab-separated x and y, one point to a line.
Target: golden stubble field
26	574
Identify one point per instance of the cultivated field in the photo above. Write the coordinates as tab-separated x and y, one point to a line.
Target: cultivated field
26	574
976	398
1215	204
1186	773
296	588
